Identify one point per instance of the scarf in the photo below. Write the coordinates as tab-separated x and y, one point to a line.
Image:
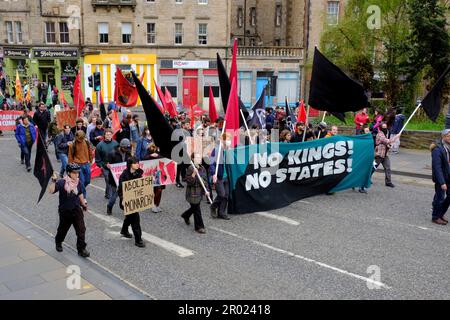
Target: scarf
71	186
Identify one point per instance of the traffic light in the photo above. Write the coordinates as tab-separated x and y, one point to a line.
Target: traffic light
90	82
97	82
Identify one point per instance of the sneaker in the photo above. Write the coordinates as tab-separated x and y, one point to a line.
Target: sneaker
179	185
28	169
439	221
106	196
126	235
156	210
84	253
214	213
390	185
225	218
140	244
201	231
22	161
362	190
109	211
59	247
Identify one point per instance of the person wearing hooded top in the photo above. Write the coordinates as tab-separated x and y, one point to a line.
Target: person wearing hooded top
80	152
132	172
102	152
121	153
71	207
26	136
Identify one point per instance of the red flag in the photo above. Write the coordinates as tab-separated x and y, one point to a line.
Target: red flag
115	122
125	93
78	98
62	99
101	97
192	116
172	107
233	71
161	97
301	117
232	115
212	107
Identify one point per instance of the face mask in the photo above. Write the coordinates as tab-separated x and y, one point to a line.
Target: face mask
384	130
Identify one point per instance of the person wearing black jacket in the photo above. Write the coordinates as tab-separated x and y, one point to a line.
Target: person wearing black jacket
153	154
62	141
97	135
119	155
42	119
79	125
132	172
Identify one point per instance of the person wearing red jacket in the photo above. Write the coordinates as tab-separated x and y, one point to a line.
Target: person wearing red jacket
361	119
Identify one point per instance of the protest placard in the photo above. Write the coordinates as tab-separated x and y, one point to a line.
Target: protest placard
138	195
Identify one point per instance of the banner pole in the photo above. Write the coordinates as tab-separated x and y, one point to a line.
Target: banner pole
307	122
220	149
323	119
246	126
201	181
407	122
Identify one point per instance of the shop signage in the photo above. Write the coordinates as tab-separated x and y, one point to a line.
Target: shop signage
180	64
14	52
54	53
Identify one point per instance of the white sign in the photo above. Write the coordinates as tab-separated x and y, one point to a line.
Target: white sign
180	64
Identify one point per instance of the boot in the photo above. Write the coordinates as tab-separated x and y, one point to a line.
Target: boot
59	247
84	253
140	244
108	211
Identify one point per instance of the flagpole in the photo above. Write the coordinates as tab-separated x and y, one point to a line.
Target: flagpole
323	119
220	149
246	126
407	122
307	122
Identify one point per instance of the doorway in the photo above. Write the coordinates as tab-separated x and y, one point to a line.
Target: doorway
190	88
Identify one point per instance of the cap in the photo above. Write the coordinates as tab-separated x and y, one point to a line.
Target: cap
323	125
125	143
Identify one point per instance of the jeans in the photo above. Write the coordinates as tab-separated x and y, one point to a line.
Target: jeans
221	200
112	196
133	220
64	160
441	202
197	212
66	220
85	177
386	162
108	186
26	152
396	146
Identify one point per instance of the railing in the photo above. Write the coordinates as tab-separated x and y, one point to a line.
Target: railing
271	52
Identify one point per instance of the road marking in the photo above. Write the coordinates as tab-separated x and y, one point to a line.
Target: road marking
164	244
7	139
279	218
291	254
303	201
97	187
75	250
411	225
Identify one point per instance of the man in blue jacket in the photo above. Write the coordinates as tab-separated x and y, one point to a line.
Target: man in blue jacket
26	136
440	154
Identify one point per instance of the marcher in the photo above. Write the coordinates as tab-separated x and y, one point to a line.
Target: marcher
334	132
440	154
120	154
70	209
321	131
97	135
41	119
143	144
104	148
219	206
132	172
62	147
153	154
80	152
382	146
135	132
195	192
396	128
79	125
25	136
361	119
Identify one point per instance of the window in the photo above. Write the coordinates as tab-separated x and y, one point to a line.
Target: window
202	1
240	17
170	81
245	87
151	33
287	86
213	81
178	33
9	31
126	32
63	32
178	1
103	31
18	25
253	16
50	32
333	12
202	34
278	15
277	42
252	42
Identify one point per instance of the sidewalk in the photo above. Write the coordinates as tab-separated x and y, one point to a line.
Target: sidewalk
31	269
411	163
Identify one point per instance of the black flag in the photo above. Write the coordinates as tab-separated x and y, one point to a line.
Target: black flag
159	128
332	90
103	111
225	89
43	169
431	104
290	117
259	117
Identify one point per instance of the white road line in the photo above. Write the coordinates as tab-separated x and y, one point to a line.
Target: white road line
97	187
291	254
411	225
303	201
279	218
74	250
164	244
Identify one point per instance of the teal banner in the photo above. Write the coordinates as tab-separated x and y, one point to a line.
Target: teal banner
274	175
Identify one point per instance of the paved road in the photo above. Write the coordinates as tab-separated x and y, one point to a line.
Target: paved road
321	248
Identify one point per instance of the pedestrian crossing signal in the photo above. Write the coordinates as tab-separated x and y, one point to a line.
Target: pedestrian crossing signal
97	82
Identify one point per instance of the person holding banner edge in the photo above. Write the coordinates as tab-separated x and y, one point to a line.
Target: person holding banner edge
132	172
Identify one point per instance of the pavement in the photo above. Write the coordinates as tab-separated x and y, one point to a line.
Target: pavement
379	246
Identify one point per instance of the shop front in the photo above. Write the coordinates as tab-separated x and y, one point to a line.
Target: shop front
107	65
16	59
189	81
